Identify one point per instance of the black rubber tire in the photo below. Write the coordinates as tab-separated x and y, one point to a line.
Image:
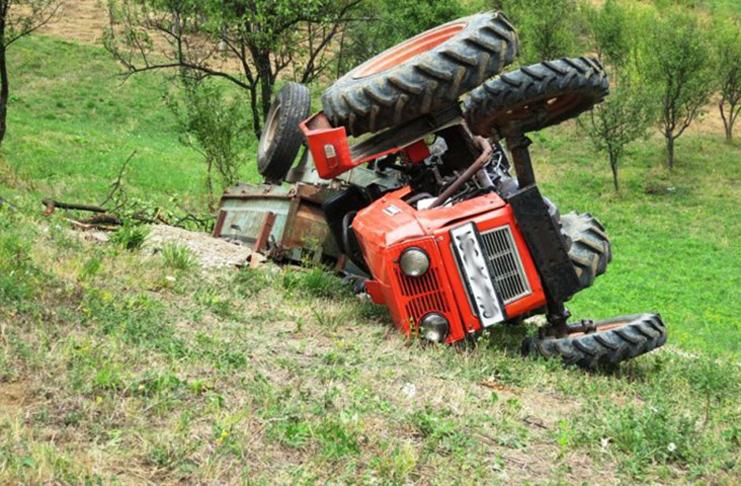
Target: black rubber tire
423	84
535	97
607	346
281	137
588	246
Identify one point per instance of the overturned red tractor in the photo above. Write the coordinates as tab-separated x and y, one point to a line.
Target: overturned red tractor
460	244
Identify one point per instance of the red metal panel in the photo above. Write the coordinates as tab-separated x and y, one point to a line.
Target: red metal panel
389	225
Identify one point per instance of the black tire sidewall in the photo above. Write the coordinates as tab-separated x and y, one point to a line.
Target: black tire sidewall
275	158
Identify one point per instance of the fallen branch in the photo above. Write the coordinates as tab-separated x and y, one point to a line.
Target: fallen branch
103	219
86	226
51	205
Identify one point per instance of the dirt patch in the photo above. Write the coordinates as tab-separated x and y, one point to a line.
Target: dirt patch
79	21
209	252
13	397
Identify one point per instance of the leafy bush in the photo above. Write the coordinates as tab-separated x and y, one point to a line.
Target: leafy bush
130	237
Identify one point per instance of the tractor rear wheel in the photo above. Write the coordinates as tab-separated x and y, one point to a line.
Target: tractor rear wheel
588	246
536	96
281	137
612	341
422	75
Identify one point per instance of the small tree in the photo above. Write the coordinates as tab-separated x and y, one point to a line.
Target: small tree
678	62
727	47
250	43
18	18
548	29
629	110
621	119
213	124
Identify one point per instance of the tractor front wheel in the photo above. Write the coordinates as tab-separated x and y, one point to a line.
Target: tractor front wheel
609	342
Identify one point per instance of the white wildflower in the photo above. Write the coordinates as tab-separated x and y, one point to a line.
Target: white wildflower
671	447
409	390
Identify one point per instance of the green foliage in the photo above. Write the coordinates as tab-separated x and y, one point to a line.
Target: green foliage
130	236
609	27
384	23
268	38
19	277
213	125
630	109
177	257
337	439
548	29
678	63
726	43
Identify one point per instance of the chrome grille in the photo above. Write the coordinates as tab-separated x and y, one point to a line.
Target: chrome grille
509	276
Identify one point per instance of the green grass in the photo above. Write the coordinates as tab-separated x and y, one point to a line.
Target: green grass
122	367
232	378
674	251
73	122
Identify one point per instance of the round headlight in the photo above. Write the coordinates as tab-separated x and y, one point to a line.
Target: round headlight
414	262
434	327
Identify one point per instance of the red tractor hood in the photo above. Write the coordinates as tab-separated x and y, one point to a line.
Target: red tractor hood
390	220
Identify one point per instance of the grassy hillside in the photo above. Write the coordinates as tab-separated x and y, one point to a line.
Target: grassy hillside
118	366
73	123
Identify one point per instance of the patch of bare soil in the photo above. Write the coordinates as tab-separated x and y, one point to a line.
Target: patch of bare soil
208	251
79	21
13	397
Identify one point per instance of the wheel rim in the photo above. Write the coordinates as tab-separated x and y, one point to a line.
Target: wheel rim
609	326
409	49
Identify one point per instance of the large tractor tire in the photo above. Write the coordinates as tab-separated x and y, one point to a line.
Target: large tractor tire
611	341
535	97
281	138
422	75
589	246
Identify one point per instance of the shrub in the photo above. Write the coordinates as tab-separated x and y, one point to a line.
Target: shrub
130	237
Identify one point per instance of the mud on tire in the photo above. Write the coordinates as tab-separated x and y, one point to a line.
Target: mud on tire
614	340
537	96
588	246
422	75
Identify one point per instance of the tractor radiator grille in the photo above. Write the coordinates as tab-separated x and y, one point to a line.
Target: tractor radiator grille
423	293
509	277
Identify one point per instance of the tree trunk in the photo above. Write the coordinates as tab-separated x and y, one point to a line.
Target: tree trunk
614	167
256	119
726	122
670	151
265	73
4	84
209	184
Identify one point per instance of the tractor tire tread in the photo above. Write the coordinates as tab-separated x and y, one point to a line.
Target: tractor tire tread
639	335
426	83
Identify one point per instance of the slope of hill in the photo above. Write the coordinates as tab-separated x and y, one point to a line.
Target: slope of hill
118	366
